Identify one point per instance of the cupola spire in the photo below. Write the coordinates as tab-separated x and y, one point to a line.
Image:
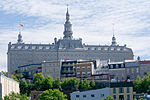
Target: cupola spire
67	27
113	43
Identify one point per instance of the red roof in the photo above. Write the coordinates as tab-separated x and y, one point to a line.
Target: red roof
145	62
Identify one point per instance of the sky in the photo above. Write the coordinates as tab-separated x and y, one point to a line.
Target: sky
92	21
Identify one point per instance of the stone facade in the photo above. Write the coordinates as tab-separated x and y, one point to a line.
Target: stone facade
7	85
51	68
144	67
68	48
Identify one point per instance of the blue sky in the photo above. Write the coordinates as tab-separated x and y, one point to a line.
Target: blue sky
92	21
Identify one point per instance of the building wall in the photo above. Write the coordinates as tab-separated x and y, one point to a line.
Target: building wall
144	68
8	85
51	68
91	94
84	70
23	54
124	93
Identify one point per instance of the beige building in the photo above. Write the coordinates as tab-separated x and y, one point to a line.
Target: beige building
7	85
121	91
52	69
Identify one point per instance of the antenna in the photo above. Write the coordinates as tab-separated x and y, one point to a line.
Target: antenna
113	29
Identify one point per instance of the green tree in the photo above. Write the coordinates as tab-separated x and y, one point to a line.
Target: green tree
70	84
23	87
15	96
14	77
92	84
52	95
48	83
109	98
84	85
57	84
142	85
137	85
38	82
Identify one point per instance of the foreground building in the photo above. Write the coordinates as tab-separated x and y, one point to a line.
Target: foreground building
119	91
68	48
7	85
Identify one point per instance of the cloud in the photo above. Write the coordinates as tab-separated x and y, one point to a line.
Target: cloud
92	21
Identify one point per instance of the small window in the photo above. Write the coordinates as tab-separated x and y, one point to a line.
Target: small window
83	73
83	68
89	67
34	96
77	96
92	95
78	73
128	97
102	95
78	68
137	70
128	90
114	90
114	97
89	73
121	90
84	96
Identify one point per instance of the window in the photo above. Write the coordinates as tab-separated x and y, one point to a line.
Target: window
34	96
89	73
78	68
83	73
49	69
83	68
102	95
78	73
92	95
127	70
114	90
114	97
89	67
128	90
128	97
77	96
137	70
84	96
132	70
121	90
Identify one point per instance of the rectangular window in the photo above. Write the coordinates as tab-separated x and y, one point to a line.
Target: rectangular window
89	73
92	95
102	95
128	97
132	70
83	73
114	97
114	90
78	73
128	90
83	68
78	68
89	67
77	96
84	96
137	70
121	90
49	69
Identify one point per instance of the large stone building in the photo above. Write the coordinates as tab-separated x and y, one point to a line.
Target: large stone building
68	48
